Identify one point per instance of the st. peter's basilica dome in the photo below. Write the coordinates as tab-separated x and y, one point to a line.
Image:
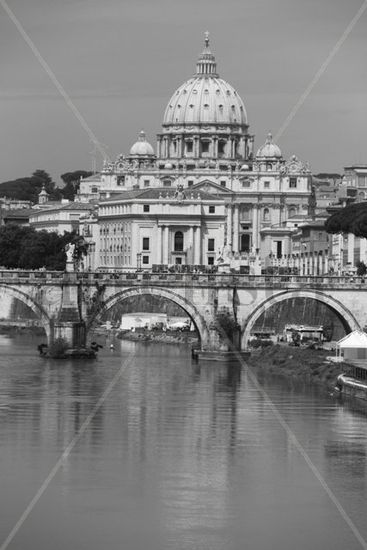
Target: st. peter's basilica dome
205	98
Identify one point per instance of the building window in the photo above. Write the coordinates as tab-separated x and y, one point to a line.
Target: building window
244	213
245	242
189	146
223	183
210	260
211	209
211	245
292	183
121	180
205	146
145	260
166	183
178	261
221	148
146	207
246	183
266	215
94	190
179	241
145	243
291	211
266	184
146	183
190	183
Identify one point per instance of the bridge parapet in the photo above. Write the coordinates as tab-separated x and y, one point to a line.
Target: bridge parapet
221	280
218	280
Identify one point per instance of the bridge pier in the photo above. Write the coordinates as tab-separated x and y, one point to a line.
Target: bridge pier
69	324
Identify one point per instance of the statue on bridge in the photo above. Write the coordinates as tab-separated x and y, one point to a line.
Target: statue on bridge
70	249
223	258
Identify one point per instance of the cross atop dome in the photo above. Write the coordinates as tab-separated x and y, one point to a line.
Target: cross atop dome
206	64
206	34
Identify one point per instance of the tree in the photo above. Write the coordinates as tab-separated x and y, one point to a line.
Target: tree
28	188
351	219
26	248
361	269
72	181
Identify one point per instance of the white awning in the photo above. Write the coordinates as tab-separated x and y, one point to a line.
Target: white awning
356	339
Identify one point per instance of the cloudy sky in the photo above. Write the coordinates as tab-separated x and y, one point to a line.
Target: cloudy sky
121	60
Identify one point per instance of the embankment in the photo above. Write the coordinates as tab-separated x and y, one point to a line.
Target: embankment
304	364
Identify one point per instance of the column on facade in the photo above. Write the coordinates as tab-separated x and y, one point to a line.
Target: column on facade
255	217
181	147
362	249
215	147
159	147
166	145
165	244
321	262
191	246
159	245
351	242
197	245
236	221
196	146
229	225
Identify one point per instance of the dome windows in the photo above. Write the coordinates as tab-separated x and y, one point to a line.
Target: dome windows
206	106
194	91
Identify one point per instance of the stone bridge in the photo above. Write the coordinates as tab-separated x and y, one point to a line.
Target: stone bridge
69	304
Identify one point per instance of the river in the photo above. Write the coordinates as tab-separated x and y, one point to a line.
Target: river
163	454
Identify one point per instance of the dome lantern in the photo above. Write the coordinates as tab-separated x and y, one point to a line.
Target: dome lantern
206	64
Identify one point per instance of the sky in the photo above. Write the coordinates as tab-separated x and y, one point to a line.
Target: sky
121	60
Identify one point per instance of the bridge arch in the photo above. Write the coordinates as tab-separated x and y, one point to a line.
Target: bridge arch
32	304
181	301
347	318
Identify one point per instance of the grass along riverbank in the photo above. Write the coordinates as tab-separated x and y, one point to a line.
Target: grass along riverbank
160	337
299	363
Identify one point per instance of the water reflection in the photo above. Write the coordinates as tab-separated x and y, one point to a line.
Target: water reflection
179	456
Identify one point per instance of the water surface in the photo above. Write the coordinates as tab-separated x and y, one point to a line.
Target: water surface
179	456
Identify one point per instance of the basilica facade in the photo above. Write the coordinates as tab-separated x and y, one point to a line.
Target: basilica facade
202	188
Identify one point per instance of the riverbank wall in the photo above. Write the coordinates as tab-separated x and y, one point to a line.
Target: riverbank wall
305	364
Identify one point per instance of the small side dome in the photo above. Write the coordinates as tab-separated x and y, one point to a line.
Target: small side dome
244	167
168	166
269	149
142	147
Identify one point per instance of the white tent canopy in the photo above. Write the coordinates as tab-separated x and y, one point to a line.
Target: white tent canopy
353	347
356	339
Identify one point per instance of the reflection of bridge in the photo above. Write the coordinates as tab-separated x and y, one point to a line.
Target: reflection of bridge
68	304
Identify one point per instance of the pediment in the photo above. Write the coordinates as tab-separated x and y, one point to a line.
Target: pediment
209	186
